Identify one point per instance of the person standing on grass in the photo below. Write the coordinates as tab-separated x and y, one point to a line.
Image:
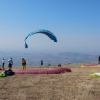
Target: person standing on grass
23	63
10	63
3	63
41	62
99	59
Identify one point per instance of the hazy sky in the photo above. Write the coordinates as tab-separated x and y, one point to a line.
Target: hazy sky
76	24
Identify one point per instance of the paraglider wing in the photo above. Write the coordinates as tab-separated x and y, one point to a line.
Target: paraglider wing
42	31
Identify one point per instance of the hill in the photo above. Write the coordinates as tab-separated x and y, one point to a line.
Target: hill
53	59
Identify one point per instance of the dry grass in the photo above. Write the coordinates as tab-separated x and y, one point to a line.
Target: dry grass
75	85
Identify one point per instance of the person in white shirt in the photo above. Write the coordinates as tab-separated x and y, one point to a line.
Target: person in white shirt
10	63
3	63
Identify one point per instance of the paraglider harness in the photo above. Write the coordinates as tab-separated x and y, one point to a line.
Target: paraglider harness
9	72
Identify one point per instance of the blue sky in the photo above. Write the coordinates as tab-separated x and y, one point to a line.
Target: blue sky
76	24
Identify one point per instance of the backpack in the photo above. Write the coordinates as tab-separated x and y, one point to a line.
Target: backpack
2	74
9	72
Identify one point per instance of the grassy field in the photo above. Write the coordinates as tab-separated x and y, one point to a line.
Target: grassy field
75	85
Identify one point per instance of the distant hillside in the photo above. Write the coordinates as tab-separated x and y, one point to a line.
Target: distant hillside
53	59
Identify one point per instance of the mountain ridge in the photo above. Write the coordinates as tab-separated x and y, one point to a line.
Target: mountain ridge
48	58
